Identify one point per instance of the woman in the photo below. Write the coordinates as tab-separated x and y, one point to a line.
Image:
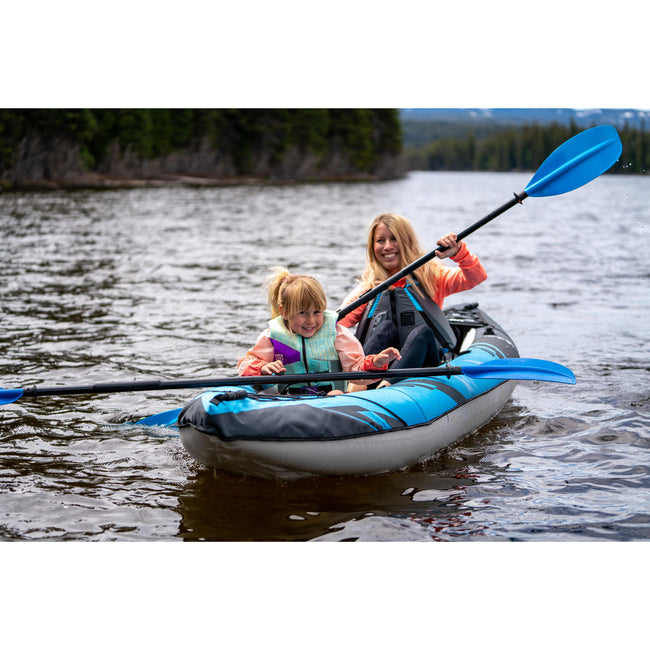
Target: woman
408	315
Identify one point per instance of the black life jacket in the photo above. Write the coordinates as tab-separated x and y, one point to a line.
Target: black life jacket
408	309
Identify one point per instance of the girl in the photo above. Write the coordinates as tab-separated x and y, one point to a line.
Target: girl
304	337
406	314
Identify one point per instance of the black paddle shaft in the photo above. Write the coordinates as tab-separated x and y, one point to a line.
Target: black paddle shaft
135	386
371	293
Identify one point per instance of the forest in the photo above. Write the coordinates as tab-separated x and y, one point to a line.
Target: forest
516	148
74	145
96	147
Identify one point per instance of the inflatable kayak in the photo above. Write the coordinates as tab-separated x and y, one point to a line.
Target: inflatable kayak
238	429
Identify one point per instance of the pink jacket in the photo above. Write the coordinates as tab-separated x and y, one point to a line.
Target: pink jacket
469	273
347	345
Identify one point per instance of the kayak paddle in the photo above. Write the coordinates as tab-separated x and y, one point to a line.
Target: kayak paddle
574	163
501	369
521	369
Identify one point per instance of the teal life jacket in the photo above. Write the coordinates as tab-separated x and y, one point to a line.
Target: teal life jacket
408	309
314	354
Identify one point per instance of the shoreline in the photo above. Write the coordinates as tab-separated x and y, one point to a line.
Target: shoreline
101	182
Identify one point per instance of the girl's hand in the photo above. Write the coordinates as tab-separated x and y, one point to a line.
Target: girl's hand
386	356
272	368
450	242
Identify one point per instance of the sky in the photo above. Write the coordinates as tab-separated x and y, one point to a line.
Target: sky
352	53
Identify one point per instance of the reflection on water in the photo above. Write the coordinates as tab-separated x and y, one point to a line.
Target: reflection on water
167	283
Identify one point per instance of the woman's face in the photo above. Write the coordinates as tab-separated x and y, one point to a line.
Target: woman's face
387	249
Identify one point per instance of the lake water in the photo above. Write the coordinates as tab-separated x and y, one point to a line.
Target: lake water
167	283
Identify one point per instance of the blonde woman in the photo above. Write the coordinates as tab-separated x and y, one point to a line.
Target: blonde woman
407	314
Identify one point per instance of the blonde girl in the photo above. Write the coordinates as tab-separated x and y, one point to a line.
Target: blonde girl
304	337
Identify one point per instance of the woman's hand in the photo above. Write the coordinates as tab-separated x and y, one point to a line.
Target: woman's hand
449	241
272	368
386	356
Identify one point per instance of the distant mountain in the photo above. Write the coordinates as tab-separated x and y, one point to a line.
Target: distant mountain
491	117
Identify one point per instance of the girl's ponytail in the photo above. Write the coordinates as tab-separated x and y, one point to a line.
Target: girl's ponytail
274	284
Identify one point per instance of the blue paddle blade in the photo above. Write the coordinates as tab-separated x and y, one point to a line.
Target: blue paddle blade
521	369
8	396
164	419
576	162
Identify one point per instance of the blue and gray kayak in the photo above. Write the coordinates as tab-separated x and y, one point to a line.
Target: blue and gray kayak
240	429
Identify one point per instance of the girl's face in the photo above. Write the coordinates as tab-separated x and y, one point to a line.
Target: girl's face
386	249
306	322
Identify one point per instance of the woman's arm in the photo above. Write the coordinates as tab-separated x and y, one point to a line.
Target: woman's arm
470	272
351	319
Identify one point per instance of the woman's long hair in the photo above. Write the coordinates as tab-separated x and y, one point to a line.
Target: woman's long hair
410	250
294	293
